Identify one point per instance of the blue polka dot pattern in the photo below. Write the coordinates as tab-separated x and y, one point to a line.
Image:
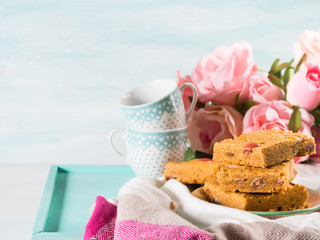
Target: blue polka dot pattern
168	113
149	152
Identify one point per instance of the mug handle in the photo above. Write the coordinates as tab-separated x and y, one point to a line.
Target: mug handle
110	140
194	97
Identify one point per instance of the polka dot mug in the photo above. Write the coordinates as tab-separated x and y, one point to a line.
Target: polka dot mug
157	105
148	152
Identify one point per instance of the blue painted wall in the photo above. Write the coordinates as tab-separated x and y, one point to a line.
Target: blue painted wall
65	64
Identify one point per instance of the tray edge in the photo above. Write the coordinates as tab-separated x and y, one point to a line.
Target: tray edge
45	202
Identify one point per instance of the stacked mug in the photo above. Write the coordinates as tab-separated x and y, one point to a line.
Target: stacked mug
156	131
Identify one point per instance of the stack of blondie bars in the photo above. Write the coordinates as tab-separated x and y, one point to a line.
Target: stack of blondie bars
251	172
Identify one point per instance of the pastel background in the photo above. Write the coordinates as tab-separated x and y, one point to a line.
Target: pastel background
65	64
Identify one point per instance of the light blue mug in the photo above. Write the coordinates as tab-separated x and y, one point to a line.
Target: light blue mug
157	105
148	152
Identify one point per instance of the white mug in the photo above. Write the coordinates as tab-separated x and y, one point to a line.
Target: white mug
148	152
157	105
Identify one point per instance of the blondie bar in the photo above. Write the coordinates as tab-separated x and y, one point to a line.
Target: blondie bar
236	178
263	148
232	177
200	193
197	171
291	199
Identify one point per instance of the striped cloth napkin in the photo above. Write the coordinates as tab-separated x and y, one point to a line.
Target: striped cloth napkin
153	209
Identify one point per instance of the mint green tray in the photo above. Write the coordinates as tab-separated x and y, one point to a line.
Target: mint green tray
69	193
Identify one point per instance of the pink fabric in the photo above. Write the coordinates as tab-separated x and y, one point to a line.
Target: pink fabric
103	226
102	222
129	229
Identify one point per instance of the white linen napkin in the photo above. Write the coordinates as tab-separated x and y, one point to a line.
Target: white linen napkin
203	214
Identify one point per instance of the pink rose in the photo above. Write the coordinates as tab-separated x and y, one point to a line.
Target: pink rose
220	76
309	43
262	90
304	88
212	124
275	115
316	134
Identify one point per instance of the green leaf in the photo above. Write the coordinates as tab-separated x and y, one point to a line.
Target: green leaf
237	98
189	155
276	81
198	104
199	154
277	75
274	65
302	59
316	114
295	119
243	108
288	73
276	68
280	67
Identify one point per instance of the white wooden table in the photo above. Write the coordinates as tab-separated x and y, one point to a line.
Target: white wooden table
21	188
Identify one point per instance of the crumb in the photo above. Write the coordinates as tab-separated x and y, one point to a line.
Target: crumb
172	206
